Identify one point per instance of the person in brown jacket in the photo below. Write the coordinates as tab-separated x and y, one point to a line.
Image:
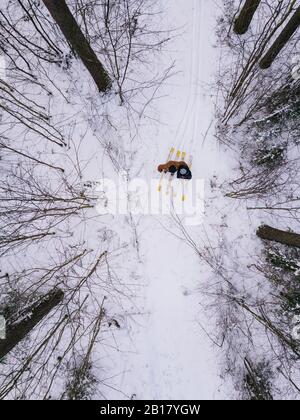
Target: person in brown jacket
173	166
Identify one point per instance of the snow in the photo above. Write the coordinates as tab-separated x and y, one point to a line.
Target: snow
164	348
171	357
155	280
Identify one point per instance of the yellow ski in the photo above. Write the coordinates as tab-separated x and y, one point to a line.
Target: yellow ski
190	164
171	152
179	156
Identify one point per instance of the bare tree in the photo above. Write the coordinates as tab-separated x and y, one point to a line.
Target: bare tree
46	212
247	86
18	328
256	299
71	331
281	41
72	32
18	109
31	210
280	236
123	30
245	17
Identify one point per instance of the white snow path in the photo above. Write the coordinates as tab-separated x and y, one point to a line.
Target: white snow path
172	358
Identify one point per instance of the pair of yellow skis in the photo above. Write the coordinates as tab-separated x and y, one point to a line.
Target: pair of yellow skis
179	155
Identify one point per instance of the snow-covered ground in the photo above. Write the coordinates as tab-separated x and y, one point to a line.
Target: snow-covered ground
169	295
170	356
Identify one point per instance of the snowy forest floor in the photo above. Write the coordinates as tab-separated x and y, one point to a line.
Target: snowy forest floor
171	357
155	306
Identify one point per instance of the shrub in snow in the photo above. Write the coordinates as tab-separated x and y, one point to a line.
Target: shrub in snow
82	382
257	380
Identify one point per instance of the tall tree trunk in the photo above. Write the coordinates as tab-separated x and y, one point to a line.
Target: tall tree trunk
280	236
281	41
244	19
72	32
35	313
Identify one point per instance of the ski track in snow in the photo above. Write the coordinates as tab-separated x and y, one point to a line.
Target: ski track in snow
171	357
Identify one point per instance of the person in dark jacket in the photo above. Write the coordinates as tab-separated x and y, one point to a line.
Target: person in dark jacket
173	166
